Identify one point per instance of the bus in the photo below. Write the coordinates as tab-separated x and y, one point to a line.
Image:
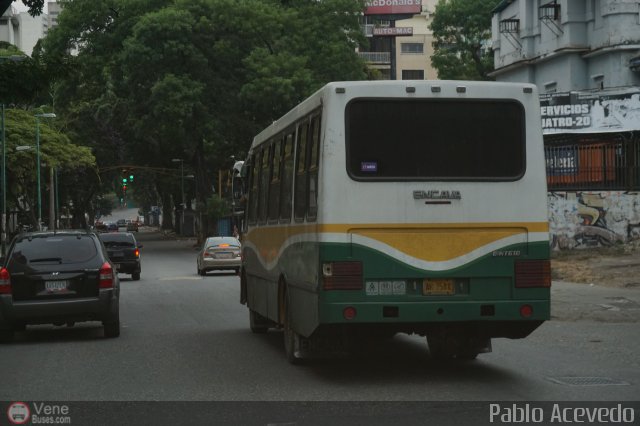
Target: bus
383	207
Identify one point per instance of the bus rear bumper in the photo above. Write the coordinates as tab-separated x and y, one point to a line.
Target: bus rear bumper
512	319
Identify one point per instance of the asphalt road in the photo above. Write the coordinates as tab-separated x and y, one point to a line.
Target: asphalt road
186	338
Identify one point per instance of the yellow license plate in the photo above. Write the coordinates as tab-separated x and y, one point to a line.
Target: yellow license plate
438	286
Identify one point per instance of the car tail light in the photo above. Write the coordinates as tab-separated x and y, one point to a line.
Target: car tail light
136	252
533	273
342	276
5	281
106	276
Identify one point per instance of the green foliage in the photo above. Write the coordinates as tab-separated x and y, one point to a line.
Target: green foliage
216	208
154	80
462	32
56	150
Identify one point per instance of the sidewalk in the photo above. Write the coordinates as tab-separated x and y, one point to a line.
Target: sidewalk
590	302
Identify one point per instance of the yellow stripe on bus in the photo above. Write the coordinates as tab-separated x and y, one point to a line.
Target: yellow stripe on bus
432	242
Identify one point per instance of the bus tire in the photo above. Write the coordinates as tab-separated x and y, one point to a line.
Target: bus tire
291	338
257	322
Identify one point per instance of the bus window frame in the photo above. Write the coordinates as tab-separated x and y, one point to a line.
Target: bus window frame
288	135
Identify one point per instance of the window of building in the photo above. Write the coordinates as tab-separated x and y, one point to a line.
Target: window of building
413	74
411	47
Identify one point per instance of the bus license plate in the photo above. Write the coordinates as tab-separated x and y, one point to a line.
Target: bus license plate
438	286
56	285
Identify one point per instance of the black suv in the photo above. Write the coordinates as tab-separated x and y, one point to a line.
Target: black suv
57	277
124	252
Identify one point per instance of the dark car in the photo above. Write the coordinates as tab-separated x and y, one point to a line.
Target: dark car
124	252
58	277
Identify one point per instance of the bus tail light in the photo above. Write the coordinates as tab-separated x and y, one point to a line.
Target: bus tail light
342	276
533	273
526	311
349	313
5	281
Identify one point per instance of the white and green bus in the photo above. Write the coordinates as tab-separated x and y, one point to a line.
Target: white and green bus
377	207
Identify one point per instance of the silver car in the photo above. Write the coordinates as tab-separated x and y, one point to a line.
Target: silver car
219	253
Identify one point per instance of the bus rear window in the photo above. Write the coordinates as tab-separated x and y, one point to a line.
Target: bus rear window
435	139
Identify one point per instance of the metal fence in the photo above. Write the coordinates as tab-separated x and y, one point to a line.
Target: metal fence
593	162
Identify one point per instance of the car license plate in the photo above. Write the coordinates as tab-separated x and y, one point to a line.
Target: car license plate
224	255
438	286
56	285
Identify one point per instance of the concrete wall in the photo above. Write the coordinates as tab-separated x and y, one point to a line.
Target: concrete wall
593	218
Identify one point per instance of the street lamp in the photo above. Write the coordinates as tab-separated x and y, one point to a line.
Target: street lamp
37	116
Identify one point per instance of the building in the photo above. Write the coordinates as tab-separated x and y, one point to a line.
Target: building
584	56
400	45
22	30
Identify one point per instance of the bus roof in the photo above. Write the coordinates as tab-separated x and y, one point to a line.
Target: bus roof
393	88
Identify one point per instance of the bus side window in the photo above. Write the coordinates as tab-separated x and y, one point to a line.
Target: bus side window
274	186
253	188
264	185
287	178
300	198
312	170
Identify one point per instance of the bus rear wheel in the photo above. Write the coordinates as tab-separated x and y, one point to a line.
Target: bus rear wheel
257	322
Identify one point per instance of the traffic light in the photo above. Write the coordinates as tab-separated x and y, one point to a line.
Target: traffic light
130	178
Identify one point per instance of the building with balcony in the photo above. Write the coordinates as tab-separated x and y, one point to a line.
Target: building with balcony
584	56
400	48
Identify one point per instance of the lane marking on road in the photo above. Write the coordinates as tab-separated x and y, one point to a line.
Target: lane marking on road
178	278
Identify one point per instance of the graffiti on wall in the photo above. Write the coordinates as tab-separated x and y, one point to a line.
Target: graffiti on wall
592	219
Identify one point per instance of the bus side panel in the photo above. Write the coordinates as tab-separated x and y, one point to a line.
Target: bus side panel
288	255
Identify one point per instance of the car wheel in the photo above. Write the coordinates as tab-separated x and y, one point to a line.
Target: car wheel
112	323
135	276
6	336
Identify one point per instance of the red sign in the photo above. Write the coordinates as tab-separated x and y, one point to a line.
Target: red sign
395	31
392	7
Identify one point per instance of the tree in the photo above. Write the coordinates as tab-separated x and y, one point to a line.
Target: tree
56	151
155	80
462	34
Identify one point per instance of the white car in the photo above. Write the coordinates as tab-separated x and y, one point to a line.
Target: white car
219	253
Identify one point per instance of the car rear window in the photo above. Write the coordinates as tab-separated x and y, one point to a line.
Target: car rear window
54	248
118	240
213	242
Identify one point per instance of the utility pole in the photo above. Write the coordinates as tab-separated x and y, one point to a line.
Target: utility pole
52	200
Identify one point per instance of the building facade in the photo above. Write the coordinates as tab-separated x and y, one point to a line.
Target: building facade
400	45
22	30
584	56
